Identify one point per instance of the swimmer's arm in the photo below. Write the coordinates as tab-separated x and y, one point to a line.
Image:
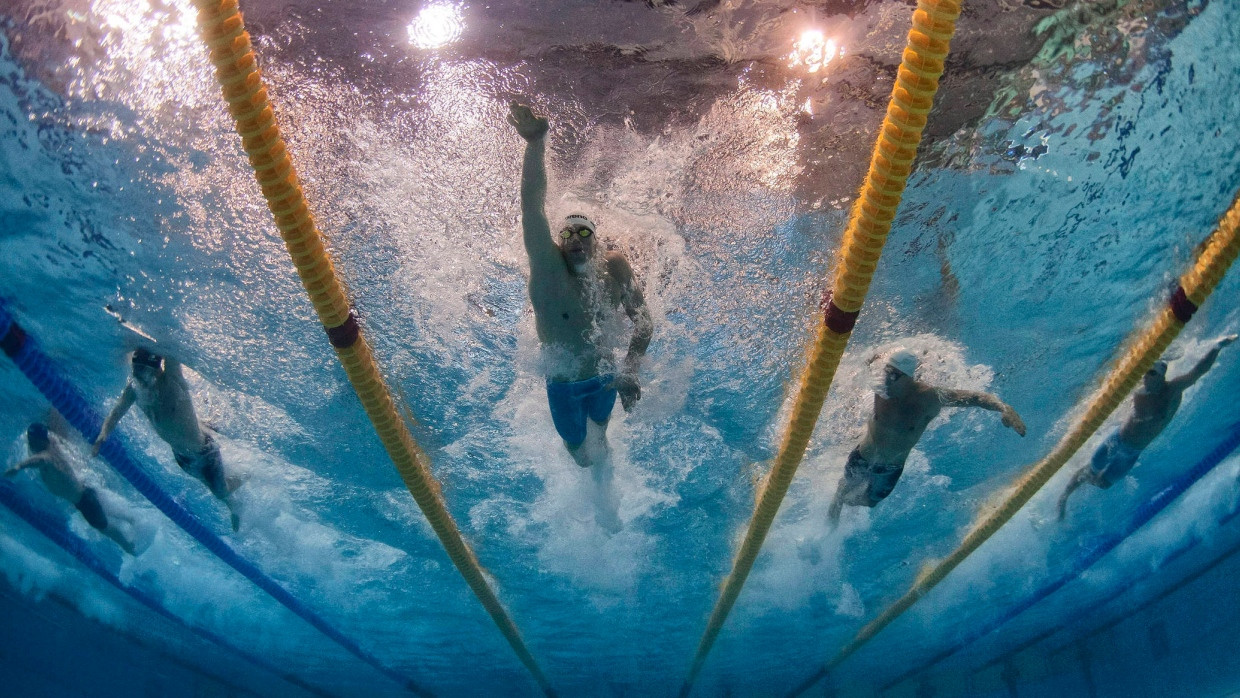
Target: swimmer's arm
122	406
33	461
970	398
535	229
635	307
1206	362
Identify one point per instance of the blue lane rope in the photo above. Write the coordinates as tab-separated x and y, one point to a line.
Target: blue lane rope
51	529
71	404
1096	549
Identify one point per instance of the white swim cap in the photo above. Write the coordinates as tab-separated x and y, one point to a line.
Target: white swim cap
903	361
580	220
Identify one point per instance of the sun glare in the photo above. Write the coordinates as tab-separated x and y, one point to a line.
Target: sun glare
813	51
437	25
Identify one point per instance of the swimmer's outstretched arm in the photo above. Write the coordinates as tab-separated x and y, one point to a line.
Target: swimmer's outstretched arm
969	398
542	251
122	406
33	461
1206	362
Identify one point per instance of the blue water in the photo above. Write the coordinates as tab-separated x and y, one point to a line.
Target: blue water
123	186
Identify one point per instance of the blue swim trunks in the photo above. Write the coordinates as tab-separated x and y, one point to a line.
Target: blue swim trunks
572	402
1112	461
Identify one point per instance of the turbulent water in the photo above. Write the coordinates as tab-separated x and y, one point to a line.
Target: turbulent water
1078	157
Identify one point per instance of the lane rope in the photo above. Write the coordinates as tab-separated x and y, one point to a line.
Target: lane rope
1144	348
1094	608
236	68
912	96
1092	552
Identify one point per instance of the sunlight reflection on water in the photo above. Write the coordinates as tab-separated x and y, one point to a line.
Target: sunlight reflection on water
814	51
437	25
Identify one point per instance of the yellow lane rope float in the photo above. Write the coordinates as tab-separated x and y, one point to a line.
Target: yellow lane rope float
1144	348
225	35
934	23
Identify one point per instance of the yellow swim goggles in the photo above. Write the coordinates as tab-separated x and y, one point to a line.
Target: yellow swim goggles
568	233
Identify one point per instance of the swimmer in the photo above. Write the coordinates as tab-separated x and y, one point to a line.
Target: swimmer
159	388
1153	406
62	480
573	287
903	407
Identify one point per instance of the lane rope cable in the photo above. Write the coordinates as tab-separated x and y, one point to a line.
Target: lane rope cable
912	96
1092	552
44	523
223	31
77	411
1144	348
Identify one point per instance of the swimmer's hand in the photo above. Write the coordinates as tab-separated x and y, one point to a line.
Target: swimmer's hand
94	448
630	391
531	127
1224	341
1013	420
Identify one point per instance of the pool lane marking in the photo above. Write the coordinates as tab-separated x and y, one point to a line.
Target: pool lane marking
70	402
80	550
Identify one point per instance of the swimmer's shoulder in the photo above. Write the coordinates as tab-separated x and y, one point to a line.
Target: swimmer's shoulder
618	267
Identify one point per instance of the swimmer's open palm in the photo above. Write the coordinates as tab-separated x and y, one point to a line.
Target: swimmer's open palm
530	126
1013	421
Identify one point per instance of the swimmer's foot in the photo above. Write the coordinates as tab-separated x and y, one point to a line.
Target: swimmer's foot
833	515
234	481
234	516
608	520
810	550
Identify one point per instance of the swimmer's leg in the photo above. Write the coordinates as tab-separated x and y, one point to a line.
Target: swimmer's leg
106	520
1079	477
592	446
580	453
854	479
220	484
121	539
607	511
837	505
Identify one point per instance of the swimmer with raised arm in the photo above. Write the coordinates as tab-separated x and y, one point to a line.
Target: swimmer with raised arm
573	287
62	479
1153	406
903	408
159	389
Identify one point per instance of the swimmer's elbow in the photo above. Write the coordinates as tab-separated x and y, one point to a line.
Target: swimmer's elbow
643	327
